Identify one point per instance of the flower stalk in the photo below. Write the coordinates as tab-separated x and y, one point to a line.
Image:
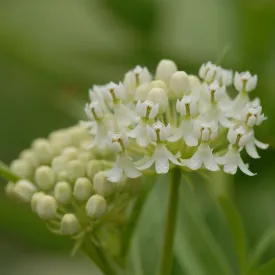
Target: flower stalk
170	224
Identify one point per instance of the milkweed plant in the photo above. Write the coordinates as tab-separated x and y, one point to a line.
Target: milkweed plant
84	180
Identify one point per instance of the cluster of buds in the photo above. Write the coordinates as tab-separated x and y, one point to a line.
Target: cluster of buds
175	119
66	185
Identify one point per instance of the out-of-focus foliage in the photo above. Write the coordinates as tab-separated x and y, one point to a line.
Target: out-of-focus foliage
52	51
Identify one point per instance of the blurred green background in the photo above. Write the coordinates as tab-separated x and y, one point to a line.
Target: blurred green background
52	51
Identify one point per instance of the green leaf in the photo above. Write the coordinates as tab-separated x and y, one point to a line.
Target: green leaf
236	228
197	251
266	269
267	238
135	213
6	173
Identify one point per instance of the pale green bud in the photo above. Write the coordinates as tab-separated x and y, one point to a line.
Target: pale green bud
69	224
63	192
70	153
9	189
78	134
62	176
59	163
165	69
21	168
96	207
35	198
84	157
83	189
142	92
158	95
29	156
102	186
45	177
43	151
46	207
24	190
180	84
195	83
158	84
76	169
93	167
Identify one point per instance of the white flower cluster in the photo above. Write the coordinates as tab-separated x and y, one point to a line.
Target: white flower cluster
65	183
175	119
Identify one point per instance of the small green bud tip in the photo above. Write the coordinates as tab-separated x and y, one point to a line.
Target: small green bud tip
158	95
180	84
24	190
75	169
29	156
45	177
102	186
96	207
93	167
69	225
43	151
59	163
165	69
46	207
83	189
70	153
21	168
35	198
63	192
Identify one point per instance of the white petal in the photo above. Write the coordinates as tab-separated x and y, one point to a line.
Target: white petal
238	82
149	162
230	168
244	168
194	163
161	159
251	150
251	83
261	145
190	140
154	111
115	174
172	158
176	136
211	164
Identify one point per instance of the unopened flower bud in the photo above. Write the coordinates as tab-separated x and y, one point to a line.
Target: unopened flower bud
62	176
29	156
180	84
59	163
102	186
21	168
24	190
158	95
43	151
70	153
142	92
69	224
83	189
76	169
10	189
63	192
158	84
35	198
96	207
45	177
46	207
93	167
165	69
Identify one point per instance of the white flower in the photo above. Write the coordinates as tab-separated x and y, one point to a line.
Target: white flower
159	132
232	160
136	77
238	136
94	110
205	131
203	156
209	72
140	134
161	158
147	109
187	107
252	115
123	165
245	81
252	144
225	78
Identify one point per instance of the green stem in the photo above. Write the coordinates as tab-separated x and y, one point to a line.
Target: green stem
170	226
6	173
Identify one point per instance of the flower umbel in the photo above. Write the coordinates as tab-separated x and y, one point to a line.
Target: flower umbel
176	115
